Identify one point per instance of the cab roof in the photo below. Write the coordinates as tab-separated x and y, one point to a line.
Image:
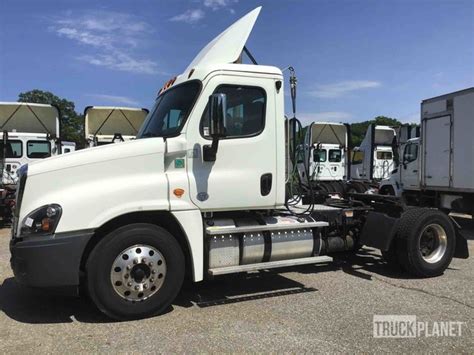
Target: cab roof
108	120
29	118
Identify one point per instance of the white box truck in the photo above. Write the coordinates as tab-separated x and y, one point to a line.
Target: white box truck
105	125
209	198
437	169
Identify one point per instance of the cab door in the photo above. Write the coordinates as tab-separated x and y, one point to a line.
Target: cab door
409	167
244	172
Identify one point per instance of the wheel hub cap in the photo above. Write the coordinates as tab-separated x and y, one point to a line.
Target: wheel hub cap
138	272
433	243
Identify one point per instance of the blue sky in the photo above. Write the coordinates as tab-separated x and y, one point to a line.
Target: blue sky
354	59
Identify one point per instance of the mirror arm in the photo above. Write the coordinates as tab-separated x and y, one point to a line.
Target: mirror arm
210	151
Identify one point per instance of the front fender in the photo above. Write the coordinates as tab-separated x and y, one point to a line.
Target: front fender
93	194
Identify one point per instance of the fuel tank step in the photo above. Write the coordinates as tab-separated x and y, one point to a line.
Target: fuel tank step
269	265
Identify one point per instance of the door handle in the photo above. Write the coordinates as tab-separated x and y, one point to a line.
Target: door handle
415	171
265	184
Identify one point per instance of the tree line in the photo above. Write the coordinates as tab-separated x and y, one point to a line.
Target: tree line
72	122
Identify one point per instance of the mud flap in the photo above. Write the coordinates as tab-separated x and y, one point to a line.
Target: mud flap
461	251
378	231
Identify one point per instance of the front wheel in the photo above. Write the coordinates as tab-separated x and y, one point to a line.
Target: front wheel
135	271
426	242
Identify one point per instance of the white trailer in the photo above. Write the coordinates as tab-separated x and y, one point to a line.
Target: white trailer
373	159
437	168
210	197
105	125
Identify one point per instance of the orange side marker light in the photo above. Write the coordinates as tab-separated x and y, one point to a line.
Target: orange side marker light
178	192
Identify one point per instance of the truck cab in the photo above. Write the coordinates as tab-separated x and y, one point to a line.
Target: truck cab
209	196
373	159
406	176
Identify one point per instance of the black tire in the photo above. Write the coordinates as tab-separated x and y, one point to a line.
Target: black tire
410	228
103	256
339	187
387	190
356	187
326	187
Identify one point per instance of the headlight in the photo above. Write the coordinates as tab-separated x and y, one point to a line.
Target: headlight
43	220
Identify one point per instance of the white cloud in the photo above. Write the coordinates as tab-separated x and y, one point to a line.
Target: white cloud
115	37
114	99
189	16
220	4
122	62
328	91
328	116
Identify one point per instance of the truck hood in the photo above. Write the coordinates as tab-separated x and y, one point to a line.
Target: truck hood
97	155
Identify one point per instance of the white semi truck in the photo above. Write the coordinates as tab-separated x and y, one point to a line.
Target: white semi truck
437	168
28	132
105	125
210	198
325	153
373	159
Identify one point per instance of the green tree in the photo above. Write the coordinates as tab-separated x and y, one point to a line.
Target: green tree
72	127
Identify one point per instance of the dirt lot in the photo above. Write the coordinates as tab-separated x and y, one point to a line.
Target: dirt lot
311	308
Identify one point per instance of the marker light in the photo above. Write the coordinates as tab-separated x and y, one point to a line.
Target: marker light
178	192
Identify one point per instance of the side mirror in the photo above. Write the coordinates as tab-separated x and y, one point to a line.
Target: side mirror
217	115
217	124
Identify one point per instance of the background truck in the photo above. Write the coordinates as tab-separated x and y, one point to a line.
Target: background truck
373	159
210	197
437	169
325	152
29	132
105	125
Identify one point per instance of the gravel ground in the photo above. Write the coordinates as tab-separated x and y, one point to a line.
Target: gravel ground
312	309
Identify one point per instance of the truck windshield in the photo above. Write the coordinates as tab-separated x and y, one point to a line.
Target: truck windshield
384	155
13	149
171	110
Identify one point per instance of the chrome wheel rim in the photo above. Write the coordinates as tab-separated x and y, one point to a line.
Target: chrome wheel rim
138	272
433	243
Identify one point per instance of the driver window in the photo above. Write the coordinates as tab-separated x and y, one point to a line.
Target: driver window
319	155
245	116
411	153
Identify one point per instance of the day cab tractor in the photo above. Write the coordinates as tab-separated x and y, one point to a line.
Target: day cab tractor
209	197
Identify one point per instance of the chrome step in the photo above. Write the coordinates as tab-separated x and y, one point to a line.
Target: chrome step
219	230
270	265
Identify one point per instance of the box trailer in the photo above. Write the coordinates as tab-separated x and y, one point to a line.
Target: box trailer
437	168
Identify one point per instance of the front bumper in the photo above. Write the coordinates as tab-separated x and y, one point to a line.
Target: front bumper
49	261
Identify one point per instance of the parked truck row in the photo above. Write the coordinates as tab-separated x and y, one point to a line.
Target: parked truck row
31	132
210	196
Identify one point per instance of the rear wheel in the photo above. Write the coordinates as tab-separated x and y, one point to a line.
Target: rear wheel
425	242
135	271
387	190
356	187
